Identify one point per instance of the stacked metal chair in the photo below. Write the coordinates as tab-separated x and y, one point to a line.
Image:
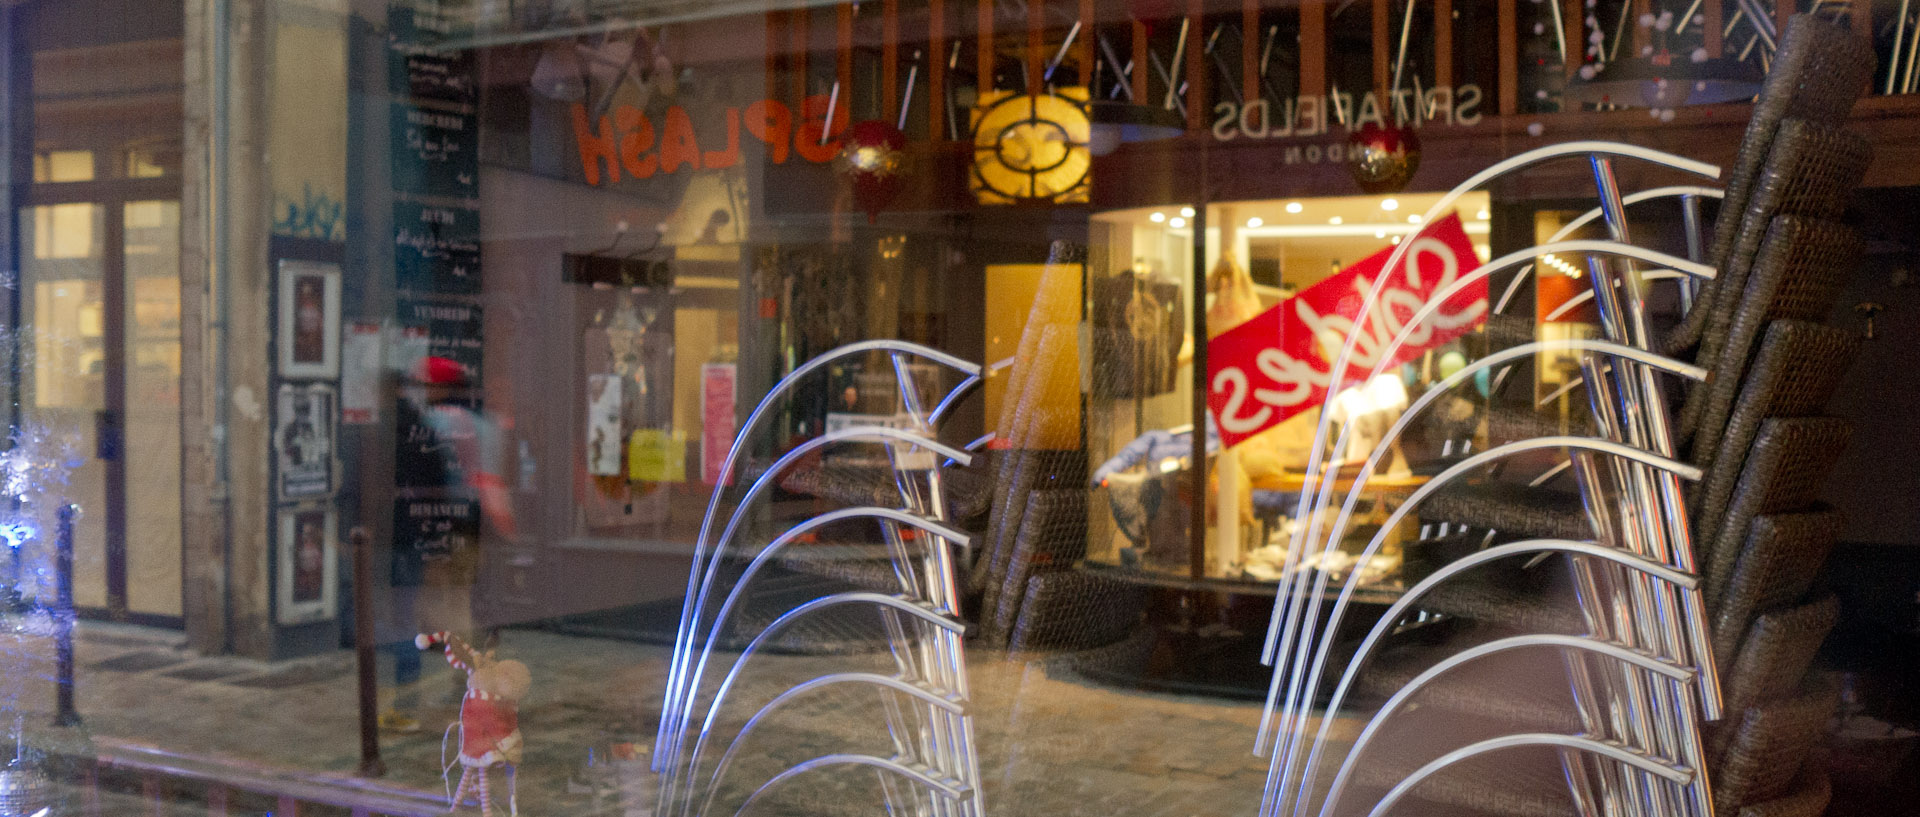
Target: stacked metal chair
924	701
1657	631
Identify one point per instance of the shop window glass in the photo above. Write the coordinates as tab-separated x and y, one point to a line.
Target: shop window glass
57	166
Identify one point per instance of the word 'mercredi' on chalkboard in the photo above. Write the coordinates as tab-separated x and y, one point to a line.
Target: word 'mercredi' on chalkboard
435	152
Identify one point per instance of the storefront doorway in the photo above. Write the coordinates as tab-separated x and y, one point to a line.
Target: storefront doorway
100	306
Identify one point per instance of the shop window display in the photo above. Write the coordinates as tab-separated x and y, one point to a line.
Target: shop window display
948	407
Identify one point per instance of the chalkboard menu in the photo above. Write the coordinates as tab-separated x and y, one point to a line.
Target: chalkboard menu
436	248
436	152
428	441
451	330
430	529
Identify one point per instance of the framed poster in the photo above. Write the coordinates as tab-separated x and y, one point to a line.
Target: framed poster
309	560
303	440
309	319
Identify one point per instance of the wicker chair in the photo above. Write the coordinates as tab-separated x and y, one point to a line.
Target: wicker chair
1797	274
1776	652
1783	472
1811	793
1816	76
1777	564
1052	535
1764	753
1071	610
1797	369
1771	369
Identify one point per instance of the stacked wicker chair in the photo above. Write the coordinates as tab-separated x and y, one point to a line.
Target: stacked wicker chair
1753	539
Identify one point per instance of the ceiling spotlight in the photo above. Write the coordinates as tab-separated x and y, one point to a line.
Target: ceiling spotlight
1379	233
1396	240
1177	223
1186	212
1389	204
1294	207
1255	222
1413	219
1483	215
1335	220
1157	217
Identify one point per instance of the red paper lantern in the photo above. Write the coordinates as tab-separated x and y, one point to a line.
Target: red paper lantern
1383	160
871	154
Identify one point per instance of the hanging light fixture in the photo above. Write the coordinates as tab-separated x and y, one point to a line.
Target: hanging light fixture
1660	81
1114	123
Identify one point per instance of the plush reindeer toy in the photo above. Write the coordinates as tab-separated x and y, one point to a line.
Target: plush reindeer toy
489	717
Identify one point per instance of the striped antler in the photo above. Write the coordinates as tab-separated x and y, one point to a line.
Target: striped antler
459	653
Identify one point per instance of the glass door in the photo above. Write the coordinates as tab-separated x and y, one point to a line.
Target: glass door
101	286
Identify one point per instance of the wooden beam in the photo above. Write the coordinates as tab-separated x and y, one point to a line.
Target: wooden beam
802	47
1782	12
1573	16
890	60
1313	47
843	56
1083	46
1036	52
984	33
1642	35
1197	110
1860	13
1442	43
1140	69
1382	47
1711	22
1249	50
776	25
937	70
1508	51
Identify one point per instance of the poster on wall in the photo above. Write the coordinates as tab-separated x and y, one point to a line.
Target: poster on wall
309	336
303	440
360	373
451	330
718	382
309	563
435	152
604	439
436	249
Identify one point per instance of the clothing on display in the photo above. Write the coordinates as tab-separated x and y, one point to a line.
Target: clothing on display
1138	328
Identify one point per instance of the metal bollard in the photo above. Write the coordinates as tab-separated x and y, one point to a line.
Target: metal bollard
63	616
363	643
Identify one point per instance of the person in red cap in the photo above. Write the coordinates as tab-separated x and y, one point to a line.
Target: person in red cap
460	452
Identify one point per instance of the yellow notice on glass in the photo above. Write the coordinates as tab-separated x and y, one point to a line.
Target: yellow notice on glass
655	455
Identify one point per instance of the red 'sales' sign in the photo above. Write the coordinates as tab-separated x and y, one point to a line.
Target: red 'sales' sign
1280	362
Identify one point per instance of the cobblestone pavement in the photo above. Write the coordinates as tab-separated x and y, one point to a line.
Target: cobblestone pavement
1049	743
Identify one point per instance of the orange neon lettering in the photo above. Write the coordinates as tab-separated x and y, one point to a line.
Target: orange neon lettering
636	142
678	146
595	146
770	121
